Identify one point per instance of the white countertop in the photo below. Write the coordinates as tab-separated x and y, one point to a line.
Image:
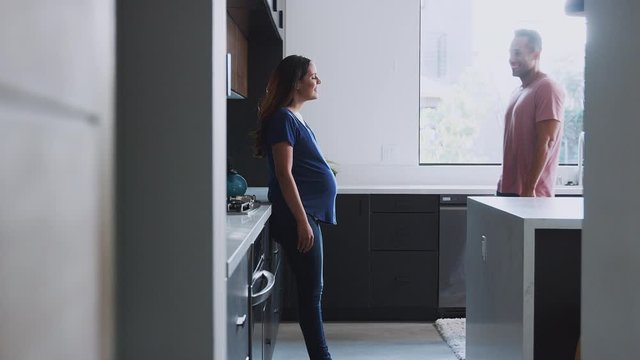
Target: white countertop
563	212
439	189
261	192
242	231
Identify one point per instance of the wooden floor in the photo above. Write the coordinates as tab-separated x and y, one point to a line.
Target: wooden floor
371	341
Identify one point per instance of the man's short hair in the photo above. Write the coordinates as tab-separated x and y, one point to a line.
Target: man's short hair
533	38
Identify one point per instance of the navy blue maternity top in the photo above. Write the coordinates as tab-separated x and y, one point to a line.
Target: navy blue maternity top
313	176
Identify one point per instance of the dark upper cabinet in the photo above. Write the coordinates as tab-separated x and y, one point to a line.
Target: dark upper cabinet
264	48
237	57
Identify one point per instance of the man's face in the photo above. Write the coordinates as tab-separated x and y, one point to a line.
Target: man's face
521	57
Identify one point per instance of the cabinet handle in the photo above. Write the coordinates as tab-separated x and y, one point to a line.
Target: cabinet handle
280	19
275	5
483	243
228	74
263	295
241	320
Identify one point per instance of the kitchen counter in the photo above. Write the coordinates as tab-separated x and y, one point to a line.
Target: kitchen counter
523	269
242	231
261	192
439	189
539	213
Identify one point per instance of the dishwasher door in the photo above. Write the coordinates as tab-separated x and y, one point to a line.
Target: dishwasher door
453	239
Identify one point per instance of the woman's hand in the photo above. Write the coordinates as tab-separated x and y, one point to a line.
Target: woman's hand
305	236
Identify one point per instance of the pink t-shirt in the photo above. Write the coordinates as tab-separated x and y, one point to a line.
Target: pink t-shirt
541	100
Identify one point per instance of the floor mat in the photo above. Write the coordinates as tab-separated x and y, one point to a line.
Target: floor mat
453	333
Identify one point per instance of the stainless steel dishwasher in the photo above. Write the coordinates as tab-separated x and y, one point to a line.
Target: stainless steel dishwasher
453	238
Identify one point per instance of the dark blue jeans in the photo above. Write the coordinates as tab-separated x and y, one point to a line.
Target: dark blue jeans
307	270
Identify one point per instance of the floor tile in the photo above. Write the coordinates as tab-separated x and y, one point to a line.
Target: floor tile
367	340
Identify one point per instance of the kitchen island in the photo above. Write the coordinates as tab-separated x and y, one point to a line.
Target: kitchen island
523	277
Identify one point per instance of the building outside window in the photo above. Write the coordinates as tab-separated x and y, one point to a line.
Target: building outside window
466	81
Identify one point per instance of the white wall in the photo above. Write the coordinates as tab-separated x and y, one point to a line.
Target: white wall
611	246
368	59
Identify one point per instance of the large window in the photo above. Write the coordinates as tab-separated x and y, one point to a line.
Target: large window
466	80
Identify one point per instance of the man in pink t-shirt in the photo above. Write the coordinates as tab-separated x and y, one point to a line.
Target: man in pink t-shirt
533	123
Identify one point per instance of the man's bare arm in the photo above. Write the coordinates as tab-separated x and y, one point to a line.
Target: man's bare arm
547	132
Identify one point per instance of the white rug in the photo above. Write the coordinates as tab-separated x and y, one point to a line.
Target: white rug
453	332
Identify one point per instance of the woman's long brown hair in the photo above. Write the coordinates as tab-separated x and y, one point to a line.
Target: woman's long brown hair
279	93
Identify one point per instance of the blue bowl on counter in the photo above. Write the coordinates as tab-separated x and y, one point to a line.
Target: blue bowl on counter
236	184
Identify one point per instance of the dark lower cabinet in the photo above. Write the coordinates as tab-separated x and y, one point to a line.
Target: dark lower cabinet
557	292
404	257
346	259
404	231
404	279
380	261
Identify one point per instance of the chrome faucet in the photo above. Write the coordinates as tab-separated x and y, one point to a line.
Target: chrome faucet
580	158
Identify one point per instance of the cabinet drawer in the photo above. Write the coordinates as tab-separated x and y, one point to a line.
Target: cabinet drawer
346	246
404	278
404	203
238	321
404	231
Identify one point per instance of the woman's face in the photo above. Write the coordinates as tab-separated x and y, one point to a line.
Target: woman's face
307	87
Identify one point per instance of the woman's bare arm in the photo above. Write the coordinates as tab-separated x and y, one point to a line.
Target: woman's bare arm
283	161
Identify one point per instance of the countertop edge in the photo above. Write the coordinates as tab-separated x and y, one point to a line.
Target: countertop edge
440	189
555	223
538	213
262	216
